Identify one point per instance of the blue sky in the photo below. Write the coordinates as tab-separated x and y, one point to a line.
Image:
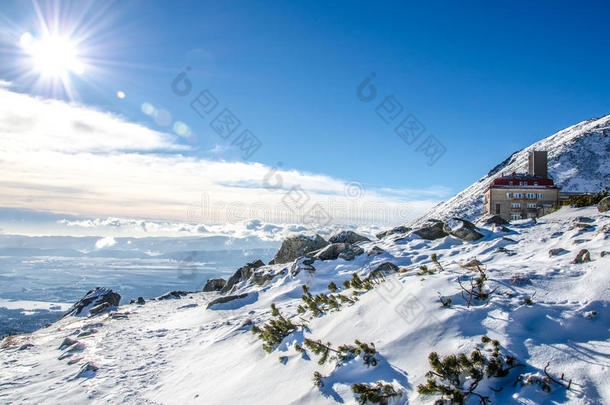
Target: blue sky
484	79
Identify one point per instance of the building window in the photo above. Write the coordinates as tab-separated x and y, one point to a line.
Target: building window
530	215
510	183
530	195
535	183
509	195
531	205
515	205
540	195
515	216
518	195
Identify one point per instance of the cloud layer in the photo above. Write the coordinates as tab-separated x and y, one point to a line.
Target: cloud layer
65	158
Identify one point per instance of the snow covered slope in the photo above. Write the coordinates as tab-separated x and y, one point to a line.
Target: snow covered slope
177	351
579	161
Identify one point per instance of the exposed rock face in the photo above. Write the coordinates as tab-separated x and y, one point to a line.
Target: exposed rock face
583	227
214	284
348	237
243	273
96	301
172	295
582	257
468	231
432	229
297	246
557	251
604	205
302	263
261	275
398	229
330	252
495	220
226	298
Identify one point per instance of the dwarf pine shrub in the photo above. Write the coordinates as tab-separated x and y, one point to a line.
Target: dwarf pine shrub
456	377
274	331
378	393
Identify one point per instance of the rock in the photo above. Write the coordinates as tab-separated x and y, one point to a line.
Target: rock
297	246
604	205
472	264
432	229
583	219
140	301
172	295
520	280
226	298
398	229
582	257
330	252
376	250
557	251
350	237
386	268
262	275
88	370
467	231
243	273
25	346
584	227
580	241
496	220
502	249
351	252
87	332
214	284
603	253
99	299
302	263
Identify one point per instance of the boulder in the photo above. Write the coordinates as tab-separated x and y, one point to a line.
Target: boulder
96	301
582	257
261	275
330	252
376	250
302	263
583	219
351	252
140	301
467	231
297	246
557	251
604	205
398	229
386	268
226	298
583	227
604	253
243	273
432	229
495	220
214	284
348	237
172	295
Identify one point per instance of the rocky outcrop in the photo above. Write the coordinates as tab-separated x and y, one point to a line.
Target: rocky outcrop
330	252
604	205
557	251
243	273
582	257
376	250
432	229
467	231
297	246
398	229
214	284
350	237
96	301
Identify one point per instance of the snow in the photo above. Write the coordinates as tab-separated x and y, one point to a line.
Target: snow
177	351
577	162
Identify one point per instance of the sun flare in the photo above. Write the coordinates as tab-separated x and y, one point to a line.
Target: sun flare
52	55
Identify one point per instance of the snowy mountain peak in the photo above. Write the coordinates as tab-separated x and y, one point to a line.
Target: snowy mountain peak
578	161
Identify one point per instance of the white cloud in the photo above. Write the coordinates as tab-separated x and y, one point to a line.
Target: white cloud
71	159
4	83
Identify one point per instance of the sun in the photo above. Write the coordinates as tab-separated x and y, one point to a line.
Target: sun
52	56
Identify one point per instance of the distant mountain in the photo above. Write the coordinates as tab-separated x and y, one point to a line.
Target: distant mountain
579	161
